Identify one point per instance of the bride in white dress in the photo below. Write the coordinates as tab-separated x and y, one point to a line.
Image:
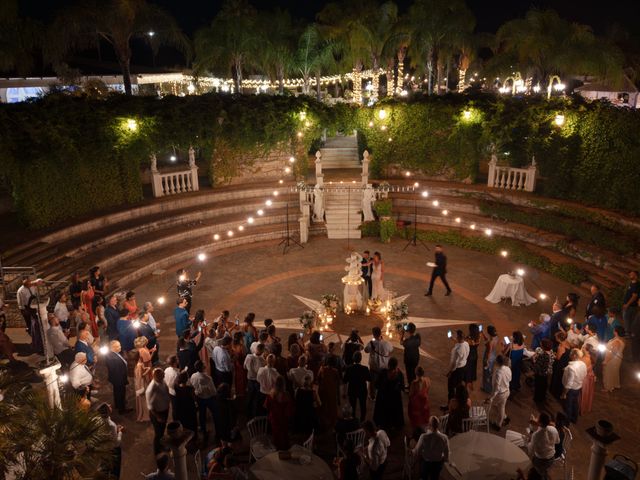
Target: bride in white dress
377	277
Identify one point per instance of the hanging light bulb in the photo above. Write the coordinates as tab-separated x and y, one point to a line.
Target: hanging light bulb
504	253
268	203
425	194
260	212
488	232
202	257
216	237
230	233
458	219
161	300
241	228
435	203
250	220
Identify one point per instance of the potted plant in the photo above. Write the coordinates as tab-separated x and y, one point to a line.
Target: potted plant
387	225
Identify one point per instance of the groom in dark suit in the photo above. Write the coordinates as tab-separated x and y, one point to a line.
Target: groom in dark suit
440	270
366	270
118	376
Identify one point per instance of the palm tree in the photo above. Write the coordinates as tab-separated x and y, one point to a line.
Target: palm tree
348	24
116	22
278	41
19	37
230	43
542	44
432	26
37	441
314	55
383	40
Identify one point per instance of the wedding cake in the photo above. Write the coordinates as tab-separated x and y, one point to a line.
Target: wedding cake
352	281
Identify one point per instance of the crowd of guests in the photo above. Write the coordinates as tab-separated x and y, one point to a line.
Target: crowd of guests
304	385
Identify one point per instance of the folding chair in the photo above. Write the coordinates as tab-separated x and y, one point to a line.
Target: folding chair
260	443
308	443
357	437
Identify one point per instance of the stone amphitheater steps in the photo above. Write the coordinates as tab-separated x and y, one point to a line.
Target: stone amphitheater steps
340	152
343	214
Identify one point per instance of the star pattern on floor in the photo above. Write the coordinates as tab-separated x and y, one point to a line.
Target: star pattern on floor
339	337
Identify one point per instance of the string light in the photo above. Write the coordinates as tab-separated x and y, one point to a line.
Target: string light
520	272
230	233
425	194
202	257
104	350
260	212
161	300
472	226
292	160
132	124
390	139
280	181
416	185
488	232
445	212
383	128
504	253
436	203
276	193
542	296
216	237
268	203
370	124
250	220
559	120
458	220
382	114
241	228
287	170
299	134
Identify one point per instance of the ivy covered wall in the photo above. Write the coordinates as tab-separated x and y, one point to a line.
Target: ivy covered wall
62	157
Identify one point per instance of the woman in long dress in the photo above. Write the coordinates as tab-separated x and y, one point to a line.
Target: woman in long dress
388	412
515	351
562	360
613	360
489	358
589	383
328	391
471	369
377	275
418	408
140	380
86	296
280	407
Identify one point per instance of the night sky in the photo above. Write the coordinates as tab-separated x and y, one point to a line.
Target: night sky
490	14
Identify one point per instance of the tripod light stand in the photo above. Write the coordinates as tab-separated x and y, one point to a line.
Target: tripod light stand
288	241
414	238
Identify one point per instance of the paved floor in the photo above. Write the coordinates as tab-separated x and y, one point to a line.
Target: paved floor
262	280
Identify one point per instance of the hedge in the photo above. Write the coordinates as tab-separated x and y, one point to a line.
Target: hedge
64	156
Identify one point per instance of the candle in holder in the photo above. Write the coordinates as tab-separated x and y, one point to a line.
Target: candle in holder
368	311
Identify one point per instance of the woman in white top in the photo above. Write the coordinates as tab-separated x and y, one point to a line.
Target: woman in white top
61	311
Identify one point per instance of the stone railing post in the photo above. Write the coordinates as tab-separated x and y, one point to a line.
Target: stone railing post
156	179
365	168
530	184
491	178
195	185
50	376
318	203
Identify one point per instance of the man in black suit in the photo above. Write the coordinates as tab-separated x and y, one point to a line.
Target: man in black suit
118	376
366	270
440	270
597	300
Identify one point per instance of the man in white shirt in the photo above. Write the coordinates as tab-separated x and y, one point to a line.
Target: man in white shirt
297	374
377	447
205	392
575	336
572	379
262	339
61	311
170	375
379	351
157	396
23	295
79	374
59	342
500	388
542	447
222	363
266	377
433	449
116	435
252	364
457	363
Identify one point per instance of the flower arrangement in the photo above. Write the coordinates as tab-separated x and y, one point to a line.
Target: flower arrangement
399	311
302	185
308	320
374	304
331	303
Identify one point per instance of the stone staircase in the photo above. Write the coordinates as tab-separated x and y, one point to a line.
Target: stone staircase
343	212
340	152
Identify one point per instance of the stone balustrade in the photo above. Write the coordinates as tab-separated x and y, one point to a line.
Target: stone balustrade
173	183
511	178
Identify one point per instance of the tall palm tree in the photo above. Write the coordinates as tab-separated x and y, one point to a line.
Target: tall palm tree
19	38
383	39
230	42
278	41
117	23
348	24
313	55
542	44
433	25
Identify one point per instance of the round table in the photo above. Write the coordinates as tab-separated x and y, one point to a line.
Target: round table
270	467
510	286
480	455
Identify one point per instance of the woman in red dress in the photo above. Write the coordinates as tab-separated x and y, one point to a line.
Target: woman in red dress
239	353
86	297
131	305
280	408
418	408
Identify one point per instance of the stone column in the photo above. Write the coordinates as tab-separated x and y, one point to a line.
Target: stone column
368	197
318	203
492	170
365	168
319	174
50	376
530	185
156	179
176	439
601	435
195	185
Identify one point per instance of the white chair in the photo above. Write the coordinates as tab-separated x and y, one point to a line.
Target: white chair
467	424
260	443
517	438
407	468
357	437
308	443
444	419
479	414
566	445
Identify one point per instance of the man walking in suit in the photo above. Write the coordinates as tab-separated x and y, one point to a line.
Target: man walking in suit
118	376
440	270
366	270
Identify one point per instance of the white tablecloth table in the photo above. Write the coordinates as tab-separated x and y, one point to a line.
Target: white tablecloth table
480	455
270	467
512	287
